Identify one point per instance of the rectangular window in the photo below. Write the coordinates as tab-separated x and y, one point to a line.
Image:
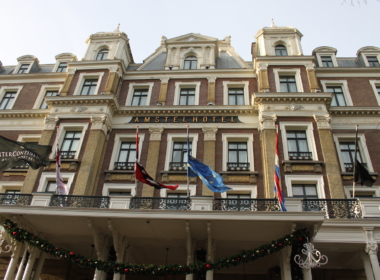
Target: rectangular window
237	156
327	61
127	156
179	156
288	84
338	96
372	61
187	96
23	68
89	87
8	100
70	144
347	150
62	67
120	193
139	97
48	93
235	96
297	145
304	190
52	186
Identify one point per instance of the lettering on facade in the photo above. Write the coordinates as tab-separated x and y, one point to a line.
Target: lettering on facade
186	119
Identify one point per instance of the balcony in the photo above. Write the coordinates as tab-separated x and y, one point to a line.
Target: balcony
162	203
231	204
238	166
300	156
15	199
124	166
68	154
334	208
79	201
177	166
349	167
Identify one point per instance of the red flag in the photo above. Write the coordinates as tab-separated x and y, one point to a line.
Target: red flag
144	177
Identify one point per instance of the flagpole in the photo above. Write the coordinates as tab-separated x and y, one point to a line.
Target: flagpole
137	153
274	190
356	148
188	153
56	157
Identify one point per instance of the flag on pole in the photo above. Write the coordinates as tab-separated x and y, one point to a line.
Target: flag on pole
277	177
362	175
61	186
13	153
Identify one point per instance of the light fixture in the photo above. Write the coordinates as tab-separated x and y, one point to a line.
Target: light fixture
207	66
159	104
210	103
314	258
170	67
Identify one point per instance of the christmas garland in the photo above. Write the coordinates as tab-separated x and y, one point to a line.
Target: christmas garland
296	238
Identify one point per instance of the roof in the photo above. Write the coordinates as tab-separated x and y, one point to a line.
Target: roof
225	61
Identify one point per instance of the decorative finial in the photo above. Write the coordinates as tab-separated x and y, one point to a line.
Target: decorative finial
117	29
273	25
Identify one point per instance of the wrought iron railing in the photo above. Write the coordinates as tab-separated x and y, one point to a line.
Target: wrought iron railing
350	166
238	166
178	166
15	199
232	204
334	208
68	154
300	155
79	201
163	203
124	165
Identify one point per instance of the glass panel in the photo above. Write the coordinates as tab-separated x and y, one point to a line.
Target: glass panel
297	191
340	99
292	87
75	145
123	156
190	100
292	145
240	100
232	156
243	156
235	196
311	190
302	144
284	87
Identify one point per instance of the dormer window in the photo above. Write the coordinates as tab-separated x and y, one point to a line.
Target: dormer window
190	62
372	61
327	61
281	50
23	68
102	54
62	67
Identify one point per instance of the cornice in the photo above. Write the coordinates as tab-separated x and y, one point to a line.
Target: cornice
89	100
354	111
59	76
97	64
361	70
10	114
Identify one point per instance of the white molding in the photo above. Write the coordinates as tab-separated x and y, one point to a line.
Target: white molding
180	85
341	83
288	72
307	127
365	54
238	84
42	93
58	61
5	89
173	137
29	138
239	137
373	190
118	187
239	189
120	137
181	189
374	84
333	58
83	77
131	90
15	71
46	177
11	186
362	145
305	179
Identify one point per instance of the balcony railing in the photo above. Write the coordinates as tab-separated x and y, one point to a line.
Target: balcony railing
334	208
350	166
300	156
124	165
79	201
238	166
163	203
15	199
231	204
68	154
177	166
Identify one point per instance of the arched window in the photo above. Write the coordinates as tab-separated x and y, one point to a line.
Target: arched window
281	50
102	54
190	62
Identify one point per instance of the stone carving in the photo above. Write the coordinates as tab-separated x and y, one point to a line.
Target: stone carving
371	248
227	40
191	38
78	109
100	122
323	122
51	122
267	121
163	40
293	107
155	133
210	133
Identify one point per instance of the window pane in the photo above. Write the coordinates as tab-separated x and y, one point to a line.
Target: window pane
311	190
232	156
302	144
297	191
292	145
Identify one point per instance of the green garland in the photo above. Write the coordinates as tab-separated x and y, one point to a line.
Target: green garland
298	237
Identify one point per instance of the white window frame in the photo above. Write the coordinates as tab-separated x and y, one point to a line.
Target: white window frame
119	138
181	189
241	189
238	137
118	187
333	58
19	66
180	85
56	65
305	179
348	190
87	76
296	72
308	128
183	57
50	177
364	56
131	90
233	84
362	147
42	93
341	83
70	127
374	84
5	89
11	186
175	137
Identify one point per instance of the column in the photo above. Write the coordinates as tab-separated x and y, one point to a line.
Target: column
112	83
163	90
17	249
93	154
189	249
40	265
153	155
307	274
120	244
262	74
367	266
32	175
211	89
34	252
209	153
268	147
286	273
68	81
331	161
371	249
21	267
312	77
210	252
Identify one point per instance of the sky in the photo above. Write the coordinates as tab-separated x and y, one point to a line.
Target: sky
47	28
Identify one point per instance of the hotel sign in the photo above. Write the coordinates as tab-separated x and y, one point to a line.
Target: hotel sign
186	119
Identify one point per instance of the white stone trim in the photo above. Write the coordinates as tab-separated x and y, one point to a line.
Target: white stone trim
333	58
131	90
19	66
288	72
173	137
305	179
5	89
10	186
180	85
118	187
236	84
307	127
83	77
359	189
374	84
238	137
42	93
341	83
29	138
46	177
241	189
181	189
59	61
120	137
362	145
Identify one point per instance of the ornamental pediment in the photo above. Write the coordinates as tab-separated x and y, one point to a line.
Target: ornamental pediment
191	37
325	49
